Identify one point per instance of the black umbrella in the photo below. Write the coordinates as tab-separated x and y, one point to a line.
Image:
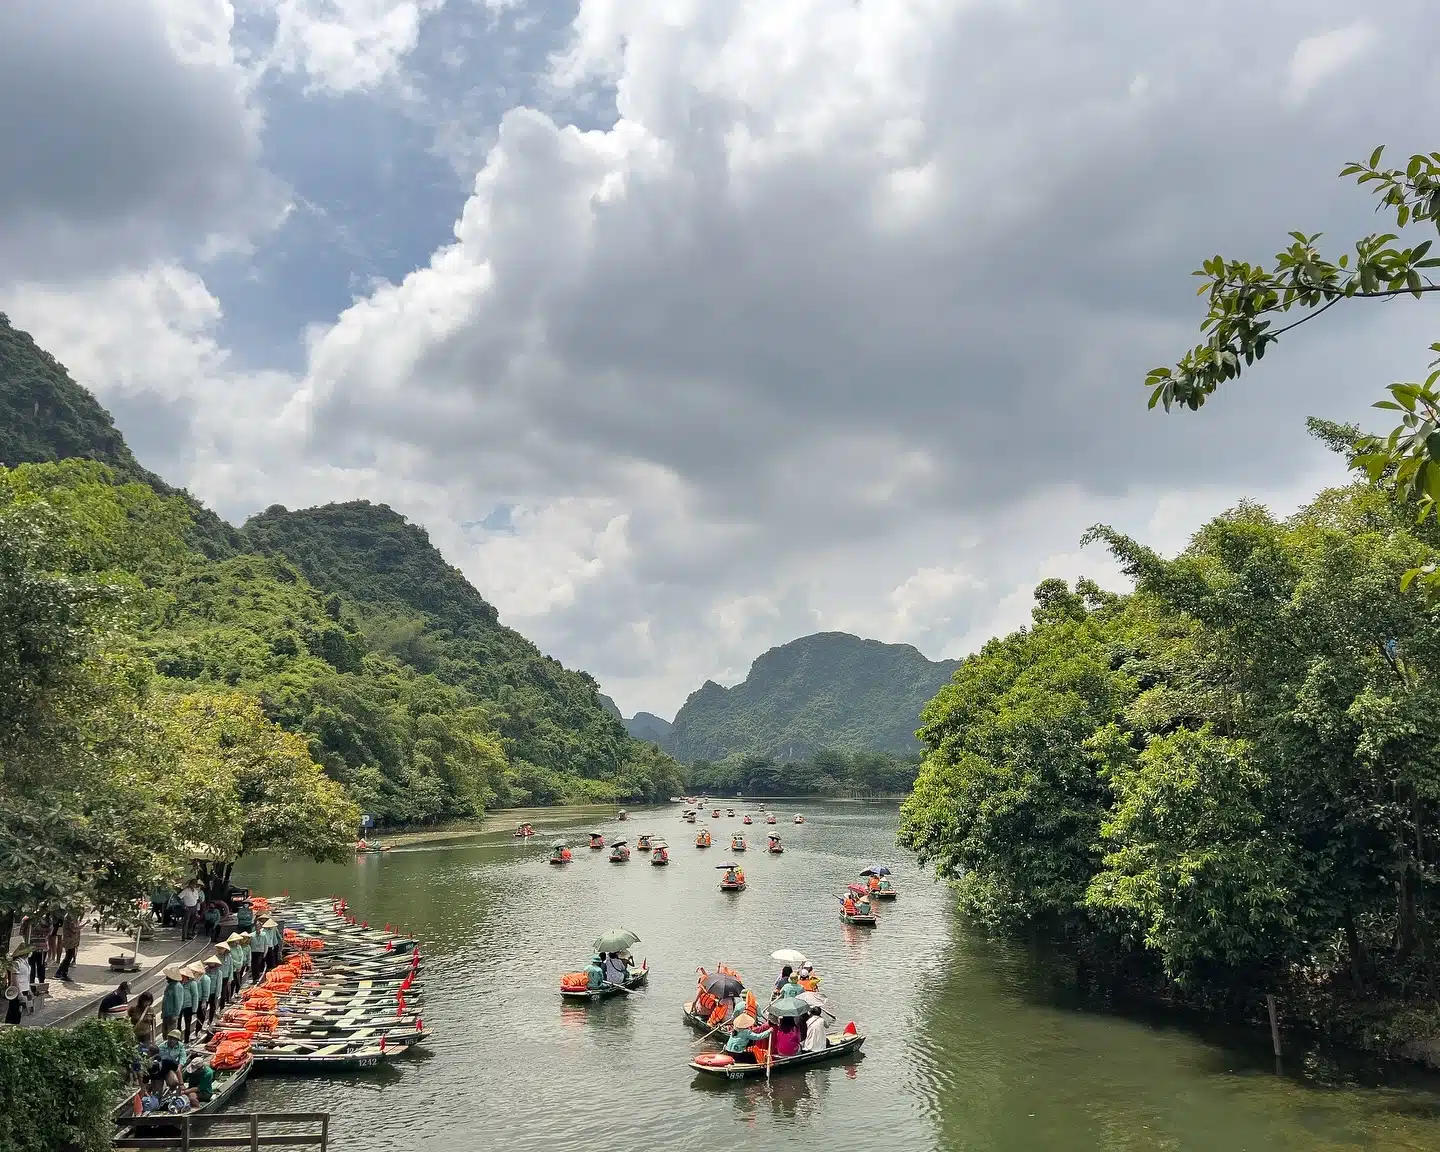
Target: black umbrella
723	986
723	867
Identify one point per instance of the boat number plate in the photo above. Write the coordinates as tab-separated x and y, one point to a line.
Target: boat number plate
369	1061
736	1075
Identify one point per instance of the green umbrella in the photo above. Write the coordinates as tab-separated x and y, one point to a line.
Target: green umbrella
616	940
789	1006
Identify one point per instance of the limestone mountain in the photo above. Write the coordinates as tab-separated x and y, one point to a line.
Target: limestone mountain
830	690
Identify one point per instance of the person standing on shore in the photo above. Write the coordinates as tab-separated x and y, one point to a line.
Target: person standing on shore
69	943
191	992
212	989
173	1002
226	970
190	900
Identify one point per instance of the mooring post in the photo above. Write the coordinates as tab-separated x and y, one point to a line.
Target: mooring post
254	1132
1274	1026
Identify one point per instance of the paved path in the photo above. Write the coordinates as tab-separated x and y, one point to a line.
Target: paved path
93	978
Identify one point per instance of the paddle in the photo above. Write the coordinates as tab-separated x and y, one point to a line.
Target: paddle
618	987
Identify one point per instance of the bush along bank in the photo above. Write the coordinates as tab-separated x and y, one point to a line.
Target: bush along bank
1223	786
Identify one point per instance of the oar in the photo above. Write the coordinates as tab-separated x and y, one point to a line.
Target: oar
619	987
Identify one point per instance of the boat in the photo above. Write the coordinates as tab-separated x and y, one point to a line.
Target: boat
715	814
877	878
227	1083
770	819
799	819
660	855
864	920
729	885
638	979
747	820
341	1054
724	1066
622	815
702	838
367	846
525	830
689	817
884	894
775	846
737	843
642	842
597	840
560	853
730	813
619	852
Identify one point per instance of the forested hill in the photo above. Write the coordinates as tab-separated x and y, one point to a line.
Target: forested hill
422	611
342	623
830	690
649	727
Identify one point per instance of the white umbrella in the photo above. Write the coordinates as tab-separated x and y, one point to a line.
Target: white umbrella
788	956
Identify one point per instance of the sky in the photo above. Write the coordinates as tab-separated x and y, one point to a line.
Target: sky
688	327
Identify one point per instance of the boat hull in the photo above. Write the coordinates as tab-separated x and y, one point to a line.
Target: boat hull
838	1049
590	996
859	921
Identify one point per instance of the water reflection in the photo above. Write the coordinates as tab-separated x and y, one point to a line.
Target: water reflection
970	1045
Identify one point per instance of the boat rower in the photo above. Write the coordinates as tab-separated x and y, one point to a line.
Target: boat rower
862	906
595	973
743	1035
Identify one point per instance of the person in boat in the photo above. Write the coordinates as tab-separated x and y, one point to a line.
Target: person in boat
884	885
199	1081
806	977
172	1052
595	973
744	1034
816	1036
617	968
791	987
787	1038
732	876
873	883
783	979
849	906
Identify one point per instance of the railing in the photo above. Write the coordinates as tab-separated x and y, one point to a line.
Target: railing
260	1130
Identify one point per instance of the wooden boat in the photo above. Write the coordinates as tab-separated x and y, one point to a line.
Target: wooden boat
736	885
622	815
799	819
340	1054
642	843
524	830
720	1064
562	857
737	843
863	921
363	846
730	813
715	814
660	856
597	840
775	846
884	894
747	820
639	977
619	852
689	817
227	1083
702	839
770	819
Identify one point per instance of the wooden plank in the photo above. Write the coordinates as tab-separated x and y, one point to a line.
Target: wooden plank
281	1140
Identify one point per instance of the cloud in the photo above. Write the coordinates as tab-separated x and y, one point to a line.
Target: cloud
1317	58
345	46
812	314
127	129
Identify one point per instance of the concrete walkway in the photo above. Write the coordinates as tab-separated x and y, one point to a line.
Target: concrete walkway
68	1003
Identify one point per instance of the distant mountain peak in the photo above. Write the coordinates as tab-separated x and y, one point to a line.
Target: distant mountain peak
825	690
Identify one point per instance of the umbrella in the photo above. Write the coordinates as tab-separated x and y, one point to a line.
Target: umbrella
789	956
876	870
791	1006
814	999
558	844
722	867
617	843
860	889
723	986
616	940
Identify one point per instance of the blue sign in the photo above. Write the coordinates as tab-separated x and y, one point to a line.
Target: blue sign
367	821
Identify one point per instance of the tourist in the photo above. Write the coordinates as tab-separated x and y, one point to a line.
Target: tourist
190	900
617	971
806	977
790	988
780	981
70	943
113	1002
743	1034
595	973
787	1038
21	977
173	1001
142	1019
816	1037
172	1053
848	907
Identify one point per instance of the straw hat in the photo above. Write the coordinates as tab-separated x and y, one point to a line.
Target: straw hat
244	937
234	938
744	1020
222	947
173	972
269	923
194	970
210	961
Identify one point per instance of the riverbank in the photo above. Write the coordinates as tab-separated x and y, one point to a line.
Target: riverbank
499	820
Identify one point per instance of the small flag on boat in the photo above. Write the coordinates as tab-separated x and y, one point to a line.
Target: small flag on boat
850	1028
419	1024
382	1042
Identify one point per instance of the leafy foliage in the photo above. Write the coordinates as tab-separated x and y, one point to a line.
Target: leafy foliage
826	773
58	1085
829	690
1226	782
419	611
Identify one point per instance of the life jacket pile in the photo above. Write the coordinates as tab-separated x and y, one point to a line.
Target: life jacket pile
574	981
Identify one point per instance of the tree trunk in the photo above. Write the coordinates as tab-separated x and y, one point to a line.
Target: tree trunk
7	924
1405	914
1358	961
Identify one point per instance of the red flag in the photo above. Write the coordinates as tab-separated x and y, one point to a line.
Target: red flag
850	1028
382	1042
389	946
419	1024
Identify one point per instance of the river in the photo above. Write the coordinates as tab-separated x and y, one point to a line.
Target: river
970	1046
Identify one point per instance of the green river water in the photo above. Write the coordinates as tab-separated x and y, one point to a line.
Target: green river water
971	1045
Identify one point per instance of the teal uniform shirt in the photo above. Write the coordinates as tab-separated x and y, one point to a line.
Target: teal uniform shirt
742	1038
594	976
206	986
192	994
227	966
174	1000
245	918
174	1051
